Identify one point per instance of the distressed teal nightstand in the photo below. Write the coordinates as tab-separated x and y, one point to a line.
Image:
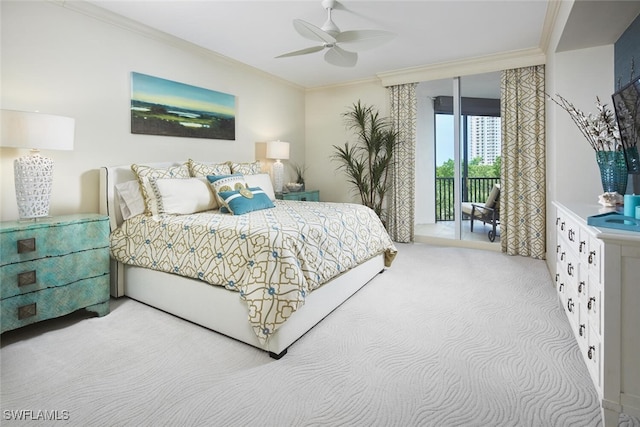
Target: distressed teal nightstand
304	196
52	267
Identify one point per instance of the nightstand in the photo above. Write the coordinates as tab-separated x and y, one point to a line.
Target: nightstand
303	196
52	267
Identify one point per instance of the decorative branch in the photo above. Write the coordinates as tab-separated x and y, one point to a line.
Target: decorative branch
600	130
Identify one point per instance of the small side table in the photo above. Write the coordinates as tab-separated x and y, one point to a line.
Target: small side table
303	196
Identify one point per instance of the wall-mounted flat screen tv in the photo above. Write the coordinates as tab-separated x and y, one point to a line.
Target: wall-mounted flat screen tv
626	103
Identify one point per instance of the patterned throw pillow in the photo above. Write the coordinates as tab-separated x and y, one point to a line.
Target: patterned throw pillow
199	169
220	183
144	173
245	200
246	168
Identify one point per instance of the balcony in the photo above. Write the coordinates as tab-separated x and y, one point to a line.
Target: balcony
475	190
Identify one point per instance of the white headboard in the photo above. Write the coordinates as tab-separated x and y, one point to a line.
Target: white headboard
110	176
110	206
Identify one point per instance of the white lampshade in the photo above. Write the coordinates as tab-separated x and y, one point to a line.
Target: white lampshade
33	173
35	131
278	150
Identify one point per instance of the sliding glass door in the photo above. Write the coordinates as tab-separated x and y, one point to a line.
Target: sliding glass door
461	119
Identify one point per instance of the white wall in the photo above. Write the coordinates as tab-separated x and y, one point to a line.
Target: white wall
325	127
425	158
580	76
62	61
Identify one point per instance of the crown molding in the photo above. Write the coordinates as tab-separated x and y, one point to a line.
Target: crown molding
483	64
553	11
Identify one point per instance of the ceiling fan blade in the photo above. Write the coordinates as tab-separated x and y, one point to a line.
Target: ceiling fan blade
312	32
340	57
302	51
364	39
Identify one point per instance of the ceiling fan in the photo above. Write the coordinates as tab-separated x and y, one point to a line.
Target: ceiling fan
333	40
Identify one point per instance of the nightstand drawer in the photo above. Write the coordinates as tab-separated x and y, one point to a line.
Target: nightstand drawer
30	276
52	267
49	238
303	196
21	310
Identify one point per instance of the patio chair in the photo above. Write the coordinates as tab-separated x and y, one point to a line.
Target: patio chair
487	212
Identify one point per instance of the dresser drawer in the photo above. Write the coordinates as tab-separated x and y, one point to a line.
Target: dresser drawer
21	310
30	276
45	239
593	355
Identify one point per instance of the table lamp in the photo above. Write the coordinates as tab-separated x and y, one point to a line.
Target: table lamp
278	150
33	172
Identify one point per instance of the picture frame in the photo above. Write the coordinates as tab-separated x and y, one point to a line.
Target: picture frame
168	108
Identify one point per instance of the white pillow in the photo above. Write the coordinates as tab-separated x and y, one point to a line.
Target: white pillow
144	173
183	196
262	180
130	198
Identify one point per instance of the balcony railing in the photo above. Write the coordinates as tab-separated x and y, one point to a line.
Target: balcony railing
476	190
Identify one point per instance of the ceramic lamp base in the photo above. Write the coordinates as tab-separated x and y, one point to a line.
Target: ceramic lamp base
33	179
278	176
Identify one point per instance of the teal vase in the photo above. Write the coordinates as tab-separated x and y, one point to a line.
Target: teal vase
613	171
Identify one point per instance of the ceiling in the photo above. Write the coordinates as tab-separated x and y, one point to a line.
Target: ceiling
427	32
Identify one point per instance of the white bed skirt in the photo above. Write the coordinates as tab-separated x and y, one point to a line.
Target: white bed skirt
223	311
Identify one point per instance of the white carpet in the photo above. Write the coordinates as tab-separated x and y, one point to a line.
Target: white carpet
446	337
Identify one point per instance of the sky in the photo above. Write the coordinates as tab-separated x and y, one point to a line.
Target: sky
166	92
444	132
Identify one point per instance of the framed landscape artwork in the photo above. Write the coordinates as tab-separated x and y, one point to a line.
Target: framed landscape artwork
165	107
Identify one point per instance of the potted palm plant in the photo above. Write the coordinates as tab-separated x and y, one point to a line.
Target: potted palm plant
298	184
367	161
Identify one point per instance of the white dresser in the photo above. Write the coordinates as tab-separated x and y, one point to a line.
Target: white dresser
598	283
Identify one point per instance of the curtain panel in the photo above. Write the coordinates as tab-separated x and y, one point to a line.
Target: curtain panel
401	201
523	189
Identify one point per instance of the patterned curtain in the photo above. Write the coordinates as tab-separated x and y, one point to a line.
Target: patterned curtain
523	201
401	201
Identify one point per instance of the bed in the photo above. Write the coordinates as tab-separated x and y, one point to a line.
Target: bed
308	279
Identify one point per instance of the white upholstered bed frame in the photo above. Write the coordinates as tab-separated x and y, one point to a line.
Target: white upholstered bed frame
215	307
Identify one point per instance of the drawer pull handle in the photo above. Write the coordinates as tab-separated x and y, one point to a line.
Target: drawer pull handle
562	226
590	303
562	256
28	310
581	329
583	243
591	255
557	276
590	353
557	220
571	234
558	249
27	278
580	286
560	286
570	305
27	245
570	269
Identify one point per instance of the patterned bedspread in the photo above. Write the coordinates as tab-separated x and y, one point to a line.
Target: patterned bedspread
274	257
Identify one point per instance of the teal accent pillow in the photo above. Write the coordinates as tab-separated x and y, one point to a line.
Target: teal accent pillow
226	183
247	200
